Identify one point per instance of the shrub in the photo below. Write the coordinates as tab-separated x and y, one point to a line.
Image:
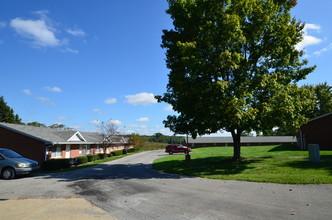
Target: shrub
56	164
95	157
82	159
109	155
130	150
90	158
117	152
124	151
102	156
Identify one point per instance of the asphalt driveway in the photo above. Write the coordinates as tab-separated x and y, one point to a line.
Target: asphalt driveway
129	189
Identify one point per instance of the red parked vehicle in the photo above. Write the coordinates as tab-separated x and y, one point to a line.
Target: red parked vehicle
177	148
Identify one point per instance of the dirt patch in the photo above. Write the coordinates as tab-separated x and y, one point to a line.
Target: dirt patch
67	208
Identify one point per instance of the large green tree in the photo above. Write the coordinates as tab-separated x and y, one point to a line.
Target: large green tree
7	113
232	66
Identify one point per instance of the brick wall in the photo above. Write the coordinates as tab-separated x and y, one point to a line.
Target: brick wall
24	145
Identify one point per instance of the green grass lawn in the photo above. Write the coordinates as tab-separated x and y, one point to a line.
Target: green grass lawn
273	164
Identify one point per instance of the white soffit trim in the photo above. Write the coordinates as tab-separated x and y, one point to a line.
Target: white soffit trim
77	137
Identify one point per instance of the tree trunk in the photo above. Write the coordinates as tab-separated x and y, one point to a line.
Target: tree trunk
236	145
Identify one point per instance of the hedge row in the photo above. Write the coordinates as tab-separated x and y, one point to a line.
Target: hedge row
64	163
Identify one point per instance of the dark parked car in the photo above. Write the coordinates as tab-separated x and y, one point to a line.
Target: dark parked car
12	164
177	148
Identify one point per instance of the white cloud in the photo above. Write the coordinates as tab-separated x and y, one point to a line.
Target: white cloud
325	49
141	99
94	122
76	32
39	31
143	119
69	50
168	108
117	122
110	101
311	26
27	91
97	110
75	127
308	39
53	89
46	101
42	32
62	118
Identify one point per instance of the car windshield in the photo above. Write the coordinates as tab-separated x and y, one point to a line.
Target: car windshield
10	154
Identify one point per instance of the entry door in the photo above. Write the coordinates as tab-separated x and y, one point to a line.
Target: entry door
67	151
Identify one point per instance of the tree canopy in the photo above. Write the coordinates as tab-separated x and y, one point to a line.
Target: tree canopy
317	102
7	113
233	66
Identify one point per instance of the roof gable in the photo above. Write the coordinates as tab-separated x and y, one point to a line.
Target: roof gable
77	137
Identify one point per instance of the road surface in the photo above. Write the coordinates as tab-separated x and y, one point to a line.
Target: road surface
129	188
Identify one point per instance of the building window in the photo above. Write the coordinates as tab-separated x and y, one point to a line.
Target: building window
80	150
97	149
56	151
88	149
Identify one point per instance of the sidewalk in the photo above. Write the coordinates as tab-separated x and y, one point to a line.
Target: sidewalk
68	208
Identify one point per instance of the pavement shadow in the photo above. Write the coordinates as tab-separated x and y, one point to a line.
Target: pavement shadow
111	171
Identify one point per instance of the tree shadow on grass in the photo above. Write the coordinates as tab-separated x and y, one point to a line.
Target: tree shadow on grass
289	147
209	166
324	164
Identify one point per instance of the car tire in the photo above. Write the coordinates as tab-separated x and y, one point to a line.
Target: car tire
170	152
8	173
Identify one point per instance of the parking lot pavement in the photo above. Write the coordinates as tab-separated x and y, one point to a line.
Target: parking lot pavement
67	208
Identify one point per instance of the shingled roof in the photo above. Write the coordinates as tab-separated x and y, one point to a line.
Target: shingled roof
55	136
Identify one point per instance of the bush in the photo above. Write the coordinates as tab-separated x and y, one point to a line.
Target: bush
124	151
131	150
109	155
102	156
56	164
92	157
117	152
82	159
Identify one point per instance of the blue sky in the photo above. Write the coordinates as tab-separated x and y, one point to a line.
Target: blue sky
80	62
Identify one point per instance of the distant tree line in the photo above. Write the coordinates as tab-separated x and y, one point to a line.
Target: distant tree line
160	138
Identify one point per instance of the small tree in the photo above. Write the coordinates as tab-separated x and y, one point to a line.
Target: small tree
137	141
108	131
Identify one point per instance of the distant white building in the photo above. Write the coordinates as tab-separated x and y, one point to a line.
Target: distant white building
245	141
